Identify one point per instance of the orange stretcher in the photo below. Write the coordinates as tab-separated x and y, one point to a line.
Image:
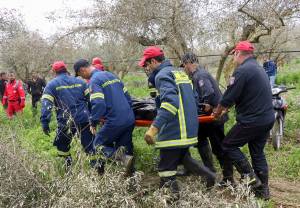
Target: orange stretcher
201	119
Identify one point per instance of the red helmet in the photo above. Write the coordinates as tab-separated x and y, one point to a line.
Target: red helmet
150	52
243	46
97	62
58	65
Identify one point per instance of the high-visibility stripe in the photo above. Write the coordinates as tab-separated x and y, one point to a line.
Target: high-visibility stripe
169	107
48	97
181	76
125	89
167	173
184	82
97	95
177	142
61	153
86	92
68	86
181	117
152	90
105	84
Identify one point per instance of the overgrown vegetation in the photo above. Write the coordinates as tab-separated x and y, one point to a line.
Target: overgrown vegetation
32	176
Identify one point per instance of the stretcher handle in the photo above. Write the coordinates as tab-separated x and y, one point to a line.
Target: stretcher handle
201	119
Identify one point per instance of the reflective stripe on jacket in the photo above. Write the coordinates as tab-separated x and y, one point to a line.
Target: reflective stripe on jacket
110	99
70	96
177	111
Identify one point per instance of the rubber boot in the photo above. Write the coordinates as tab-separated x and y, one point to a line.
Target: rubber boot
206	156
227	171
171	183
248	177
126	160
196	168
263	191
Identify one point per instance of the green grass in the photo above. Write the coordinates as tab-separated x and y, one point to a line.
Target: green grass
38	143
284	163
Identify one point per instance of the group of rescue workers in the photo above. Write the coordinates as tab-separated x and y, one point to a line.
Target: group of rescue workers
99	98
12	92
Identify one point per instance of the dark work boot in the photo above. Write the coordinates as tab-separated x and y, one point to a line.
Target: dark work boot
263	191
171	183
227	170
196	168
68	163
248	177
206	156
100	167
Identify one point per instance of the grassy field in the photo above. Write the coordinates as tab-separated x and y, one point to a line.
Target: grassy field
32	176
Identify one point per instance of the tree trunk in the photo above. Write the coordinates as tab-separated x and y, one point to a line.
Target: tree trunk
221	66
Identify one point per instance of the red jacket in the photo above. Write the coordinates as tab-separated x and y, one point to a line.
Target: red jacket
13	92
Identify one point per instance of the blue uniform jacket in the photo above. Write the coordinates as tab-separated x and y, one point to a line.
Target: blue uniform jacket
177	111
270	68
110	100
70	97
249	90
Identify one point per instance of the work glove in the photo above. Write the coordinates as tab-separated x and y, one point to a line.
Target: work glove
150	135
46	130
93	130
22	103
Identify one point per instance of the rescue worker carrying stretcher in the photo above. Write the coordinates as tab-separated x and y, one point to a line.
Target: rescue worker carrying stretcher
111	101
69	96
208	96
176	122
250	92
14	96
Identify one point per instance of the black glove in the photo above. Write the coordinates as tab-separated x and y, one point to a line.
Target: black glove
46	130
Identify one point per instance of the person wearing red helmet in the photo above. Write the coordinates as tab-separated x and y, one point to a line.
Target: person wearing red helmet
251	94
97	63
70	97
14	96
176	124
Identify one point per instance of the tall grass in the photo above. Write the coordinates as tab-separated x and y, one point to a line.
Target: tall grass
32	176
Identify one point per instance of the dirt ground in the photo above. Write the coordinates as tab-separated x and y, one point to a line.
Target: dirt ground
285	193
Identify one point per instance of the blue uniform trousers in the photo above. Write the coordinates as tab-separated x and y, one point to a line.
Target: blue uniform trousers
64	136
255	137
110	138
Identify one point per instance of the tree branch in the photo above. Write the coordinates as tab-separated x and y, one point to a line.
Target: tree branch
254	18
